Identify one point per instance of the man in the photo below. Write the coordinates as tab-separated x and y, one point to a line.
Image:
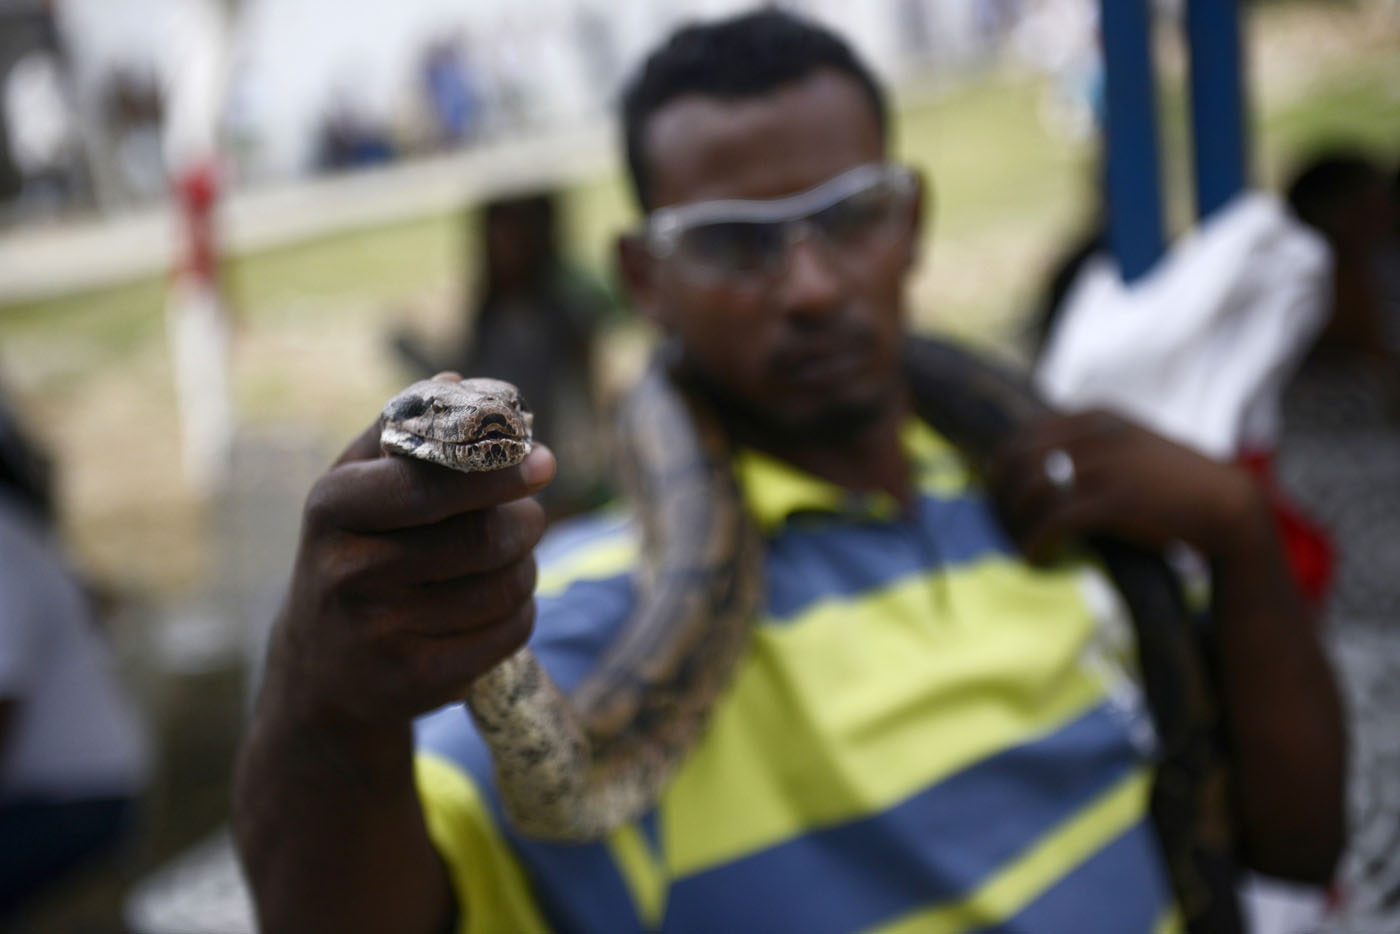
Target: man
925	733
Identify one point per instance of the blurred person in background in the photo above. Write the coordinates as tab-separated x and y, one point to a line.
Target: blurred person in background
41	133
350	135
133	107
72	751
1346	197
453	91
533	323
1338	457
927	728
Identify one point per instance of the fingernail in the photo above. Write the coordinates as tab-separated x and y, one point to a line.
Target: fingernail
538	469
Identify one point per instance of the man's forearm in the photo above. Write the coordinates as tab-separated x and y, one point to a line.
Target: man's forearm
1283	712
331	832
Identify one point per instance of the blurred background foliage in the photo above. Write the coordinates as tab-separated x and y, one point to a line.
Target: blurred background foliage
91	369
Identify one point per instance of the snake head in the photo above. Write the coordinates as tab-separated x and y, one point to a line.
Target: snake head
473	424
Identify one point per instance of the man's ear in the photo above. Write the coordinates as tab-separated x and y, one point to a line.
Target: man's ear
639	271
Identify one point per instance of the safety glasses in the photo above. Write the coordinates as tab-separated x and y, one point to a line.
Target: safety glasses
747	243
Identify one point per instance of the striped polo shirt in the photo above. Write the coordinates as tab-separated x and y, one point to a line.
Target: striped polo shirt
925	734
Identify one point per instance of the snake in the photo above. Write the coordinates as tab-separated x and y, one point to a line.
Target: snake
573	767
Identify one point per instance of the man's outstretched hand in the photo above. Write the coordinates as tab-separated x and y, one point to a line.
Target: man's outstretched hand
411	580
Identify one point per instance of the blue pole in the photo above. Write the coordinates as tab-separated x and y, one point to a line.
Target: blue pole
1133	174
1217	102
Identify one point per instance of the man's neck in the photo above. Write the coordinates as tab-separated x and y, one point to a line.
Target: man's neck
871	460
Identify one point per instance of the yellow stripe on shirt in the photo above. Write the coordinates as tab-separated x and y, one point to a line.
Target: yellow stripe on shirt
478	859
818	728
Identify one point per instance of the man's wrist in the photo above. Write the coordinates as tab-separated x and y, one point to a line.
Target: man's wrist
1236	521
347	755
317	733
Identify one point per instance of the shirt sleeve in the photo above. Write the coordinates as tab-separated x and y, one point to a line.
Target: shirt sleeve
492	891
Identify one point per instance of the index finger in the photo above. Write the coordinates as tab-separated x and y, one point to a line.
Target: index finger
365	447
391	492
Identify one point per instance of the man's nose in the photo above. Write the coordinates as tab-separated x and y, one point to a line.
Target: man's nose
811	285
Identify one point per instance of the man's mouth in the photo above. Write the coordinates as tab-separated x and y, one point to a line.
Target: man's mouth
824	365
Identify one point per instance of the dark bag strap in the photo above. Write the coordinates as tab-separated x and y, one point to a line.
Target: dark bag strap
977	405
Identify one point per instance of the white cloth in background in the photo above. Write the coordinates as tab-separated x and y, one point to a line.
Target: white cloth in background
72	735
1199	348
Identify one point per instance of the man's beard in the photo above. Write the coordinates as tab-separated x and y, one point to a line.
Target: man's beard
836	423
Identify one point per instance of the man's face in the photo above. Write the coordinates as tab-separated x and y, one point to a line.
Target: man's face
809	348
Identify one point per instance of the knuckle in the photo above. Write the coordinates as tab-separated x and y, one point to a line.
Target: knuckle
533	519
510	530
528	573
319	507
488	531
409	493
347	564
517	627
515	585
494	594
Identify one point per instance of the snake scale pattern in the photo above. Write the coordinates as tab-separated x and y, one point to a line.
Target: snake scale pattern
573	768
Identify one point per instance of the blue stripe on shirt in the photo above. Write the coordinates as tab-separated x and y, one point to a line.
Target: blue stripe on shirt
839	560
858	874
577	887
1118	890
573	627
574	535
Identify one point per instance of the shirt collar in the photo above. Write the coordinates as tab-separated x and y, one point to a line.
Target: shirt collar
775	490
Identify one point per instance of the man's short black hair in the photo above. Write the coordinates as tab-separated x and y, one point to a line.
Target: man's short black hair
732	59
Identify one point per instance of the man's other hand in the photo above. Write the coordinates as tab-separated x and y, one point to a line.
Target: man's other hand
1067	476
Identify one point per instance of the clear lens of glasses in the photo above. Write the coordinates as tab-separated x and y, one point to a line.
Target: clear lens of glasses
742	241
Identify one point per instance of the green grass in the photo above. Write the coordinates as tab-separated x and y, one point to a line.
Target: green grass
988	156
1357	107
378	264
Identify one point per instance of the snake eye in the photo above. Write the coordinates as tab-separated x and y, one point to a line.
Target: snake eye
439	406
407	407
521	405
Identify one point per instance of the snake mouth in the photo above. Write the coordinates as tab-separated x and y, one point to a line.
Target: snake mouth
492	450
482	440
494	428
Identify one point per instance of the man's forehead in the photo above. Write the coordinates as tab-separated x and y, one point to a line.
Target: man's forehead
700	147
